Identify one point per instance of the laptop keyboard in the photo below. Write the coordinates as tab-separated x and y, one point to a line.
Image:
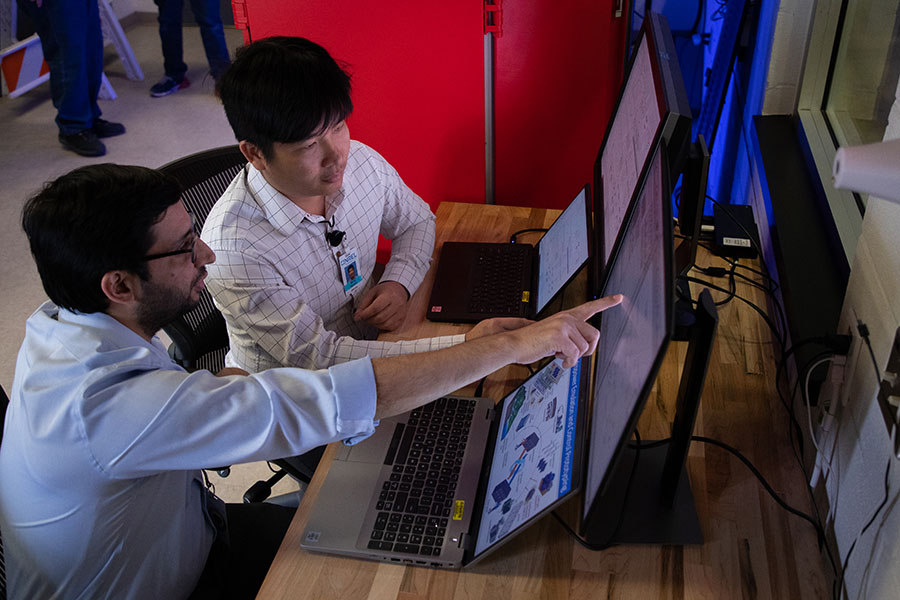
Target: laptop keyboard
416	501
495	291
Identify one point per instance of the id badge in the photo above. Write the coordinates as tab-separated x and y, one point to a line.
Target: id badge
350	273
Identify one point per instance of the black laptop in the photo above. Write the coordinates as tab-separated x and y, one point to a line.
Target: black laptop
476	281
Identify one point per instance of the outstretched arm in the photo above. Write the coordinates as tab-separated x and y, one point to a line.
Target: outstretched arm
405	382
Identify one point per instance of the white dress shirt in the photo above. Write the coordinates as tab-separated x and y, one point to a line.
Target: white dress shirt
278	281
100	490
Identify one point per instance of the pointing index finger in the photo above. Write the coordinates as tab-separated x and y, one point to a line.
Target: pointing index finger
589	309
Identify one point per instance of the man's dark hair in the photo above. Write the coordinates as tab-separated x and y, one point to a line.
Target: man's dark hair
91	221
283	89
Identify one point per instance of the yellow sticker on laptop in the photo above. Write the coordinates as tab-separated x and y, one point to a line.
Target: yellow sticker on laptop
459	510
525	296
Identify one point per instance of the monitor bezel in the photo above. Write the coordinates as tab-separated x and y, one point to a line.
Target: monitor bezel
674	127
590	513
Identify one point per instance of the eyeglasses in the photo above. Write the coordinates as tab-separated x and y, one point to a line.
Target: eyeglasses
192	250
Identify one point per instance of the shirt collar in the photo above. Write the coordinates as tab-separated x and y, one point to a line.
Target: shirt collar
92	329
284	215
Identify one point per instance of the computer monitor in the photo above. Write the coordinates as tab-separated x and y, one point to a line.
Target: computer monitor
633	336
652	106
691	201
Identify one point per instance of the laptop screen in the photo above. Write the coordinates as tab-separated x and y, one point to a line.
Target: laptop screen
534	455
563	249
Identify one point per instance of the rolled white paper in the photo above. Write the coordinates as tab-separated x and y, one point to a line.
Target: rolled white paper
870	169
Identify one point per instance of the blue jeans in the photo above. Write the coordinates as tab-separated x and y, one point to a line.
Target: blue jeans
206	13
73	48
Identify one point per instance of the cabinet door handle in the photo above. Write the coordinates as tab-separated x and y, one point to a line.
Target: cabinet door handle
619	7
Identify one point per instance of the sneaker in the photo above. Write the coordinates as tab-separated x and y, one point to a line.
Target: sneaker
104	129
167	85
84	143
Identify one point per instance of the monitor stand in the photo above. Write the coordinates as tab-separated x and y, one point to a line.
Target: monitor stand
657	506
685	315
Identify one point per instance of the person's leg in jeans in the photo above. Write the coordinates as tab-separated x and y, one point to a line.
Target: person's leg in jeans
170	36
94	58
206	13
72	44
61	27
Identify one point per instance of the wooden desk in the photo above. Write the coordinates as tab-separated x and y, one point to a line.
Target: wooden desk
753	548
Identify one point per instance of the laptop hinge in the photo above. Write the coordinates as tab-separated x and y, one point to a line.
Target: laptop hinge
467	542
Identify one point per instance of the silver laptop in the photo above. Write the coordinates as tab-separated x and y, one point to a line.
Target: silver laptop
448	483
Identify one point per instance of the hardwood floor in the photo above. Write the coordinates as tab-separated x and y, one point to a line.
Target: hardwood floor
753	547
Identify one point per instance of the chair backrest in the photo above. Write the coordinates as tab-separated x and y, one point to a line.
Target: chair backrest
4	402
199	337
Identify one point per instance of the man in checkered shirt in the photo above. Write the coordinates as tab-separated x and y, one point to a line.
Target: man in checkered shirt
296	231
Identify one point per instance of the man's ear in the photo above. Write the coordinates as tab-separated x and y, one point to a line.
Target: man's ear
253	155
121	287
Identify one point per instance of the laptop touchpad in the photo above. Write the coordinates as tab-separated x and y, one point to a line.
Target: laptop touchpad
372	449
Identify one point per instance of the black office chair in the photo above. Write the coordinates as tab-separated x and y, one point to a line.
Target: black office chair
199	338
4	402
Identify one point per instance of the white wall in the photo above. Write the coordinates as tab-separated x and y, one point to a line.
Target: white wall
859	447
789	36
856	445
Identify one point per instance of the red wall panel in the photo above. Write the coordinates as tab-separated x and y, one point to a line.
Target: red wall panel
558	67
418	81
419	88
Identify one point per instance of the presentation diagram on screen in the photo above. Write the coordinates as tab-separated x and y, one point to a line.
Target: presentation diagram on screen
532	460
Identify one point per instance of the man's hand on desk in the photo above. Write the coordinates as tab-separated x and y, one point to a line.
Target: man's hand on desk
384	306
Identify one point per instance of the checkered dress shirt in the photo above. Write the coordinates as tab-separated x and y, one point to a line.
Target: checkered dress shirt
277	280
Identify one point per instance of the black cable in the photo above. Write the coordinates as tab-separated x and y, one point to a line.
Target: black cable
209	484
756	308
719	14
732	284
820	532
782	364
701	4
876	539
789	407
768	289
833	342
638	446
779	307
512	238
719	272
887	471
794	449
863	330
